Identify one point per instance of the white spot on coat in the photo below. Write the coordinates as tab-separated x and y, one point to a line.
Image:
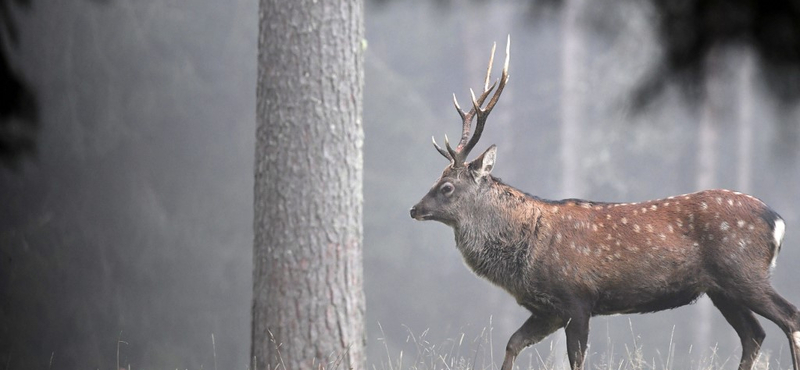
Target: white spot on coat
724	226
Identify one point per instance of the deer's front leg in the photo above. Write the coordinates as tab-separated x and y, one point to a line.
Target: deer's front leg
535	328
577	330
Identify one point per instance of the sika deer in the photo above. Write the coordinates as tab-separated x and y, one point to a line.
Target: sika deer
566	261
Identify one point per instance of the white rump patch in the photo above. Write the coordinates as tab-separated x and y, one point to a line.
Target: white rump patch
778	233
796	338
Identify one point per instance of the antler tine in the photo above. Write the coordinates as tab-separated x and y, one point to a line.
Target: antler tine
453	153
458	108
440	150
489	69
483	113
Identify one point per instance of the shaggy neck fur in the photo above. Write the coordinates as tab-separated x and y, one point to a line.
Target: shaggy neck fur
496	237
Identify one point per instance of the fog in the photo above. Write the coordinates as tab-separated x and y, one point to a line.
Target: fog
127	239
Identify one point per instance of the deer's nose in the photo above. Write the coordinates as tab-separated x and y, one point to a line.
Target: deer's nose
413	212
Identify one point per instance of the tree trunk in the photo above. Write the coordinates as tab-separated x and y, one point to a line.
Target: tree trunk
308	300
573	56
707	164
745	114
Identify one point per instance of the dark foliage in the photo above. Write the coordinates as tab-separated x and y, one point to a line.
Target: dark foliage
690	29
18	108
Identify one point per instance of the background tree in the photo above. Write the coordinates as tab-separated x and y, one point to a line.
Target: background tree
308	302
18	114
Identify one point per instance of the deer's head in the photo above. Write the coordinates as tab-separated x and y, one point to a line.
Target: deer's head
462	183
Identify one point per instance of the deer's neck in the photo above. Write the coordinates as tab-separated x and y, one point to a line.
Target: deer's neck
498	238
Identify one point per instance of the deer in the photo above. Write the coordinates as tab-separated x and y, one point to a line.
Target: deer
568	260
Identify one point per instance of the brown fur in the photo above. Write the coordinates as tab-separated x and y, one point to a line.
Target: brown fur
568	260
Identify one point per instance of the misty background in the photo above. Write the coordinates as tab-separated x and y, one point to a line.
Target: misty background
126	228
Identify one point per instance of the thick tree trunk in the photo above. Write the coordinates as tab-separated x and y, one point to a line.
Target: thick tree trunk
308	301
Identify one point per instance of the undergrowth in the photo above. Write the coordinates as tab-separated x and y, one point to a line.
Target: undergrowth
476	354
462	353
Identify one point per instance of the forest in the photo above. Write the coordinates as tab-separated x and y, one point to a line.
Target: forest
127	169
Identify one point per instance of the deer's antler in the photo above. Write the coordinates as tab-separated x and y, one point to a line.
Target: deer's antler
459	155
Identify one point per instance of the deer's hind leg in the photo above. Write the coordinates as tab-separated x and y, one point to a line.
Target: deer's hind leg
746	325
765	301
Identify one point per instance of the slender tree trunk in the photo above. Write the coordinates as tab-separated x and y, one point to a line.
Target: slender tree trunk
745	113
707	138
573	71
308	302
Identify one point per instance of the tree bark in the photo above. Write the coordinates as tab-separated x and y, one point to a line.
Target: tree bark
308	301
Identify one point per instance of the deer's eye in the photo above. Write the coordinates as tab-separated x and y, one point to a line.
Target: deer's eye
447	189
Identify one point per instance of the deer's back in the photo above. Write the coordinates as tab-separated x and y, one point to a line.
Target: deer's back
649	256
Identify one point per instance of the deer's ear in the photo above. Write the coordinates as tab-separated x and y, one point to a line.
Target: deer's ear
483	165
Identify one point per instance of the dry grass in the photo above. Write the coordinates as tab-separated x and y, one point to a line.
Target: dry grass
463	353
476	354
